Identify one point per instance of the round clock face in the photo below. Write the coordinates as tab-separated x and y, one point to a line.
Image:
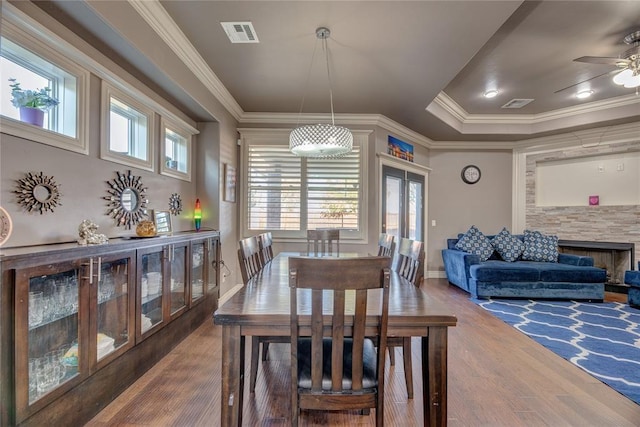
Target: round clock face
470	174
5	226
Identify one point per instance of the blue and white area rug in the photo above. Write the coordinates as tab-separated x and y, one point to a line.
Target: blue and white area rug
603	339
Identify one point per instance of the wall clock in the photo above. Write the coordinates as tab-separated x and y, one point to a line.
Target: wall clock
470	174
6	226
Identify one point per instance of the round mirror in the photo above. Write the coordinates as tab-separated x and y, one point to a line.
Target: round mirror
41	193
129	200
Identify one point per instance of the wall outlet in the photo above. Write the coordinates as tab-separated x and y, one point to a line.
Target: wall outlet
433	222
620	167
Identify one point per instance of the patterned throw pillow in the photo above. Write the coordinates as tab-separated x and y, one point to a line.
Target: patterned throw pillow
474	242
540	247
507	245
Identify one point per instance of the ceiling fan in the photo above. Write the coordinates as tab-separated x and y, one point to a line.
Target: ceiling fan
627	73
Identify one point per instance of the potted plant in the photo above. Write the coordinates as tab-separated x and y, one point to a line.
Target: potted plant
32	103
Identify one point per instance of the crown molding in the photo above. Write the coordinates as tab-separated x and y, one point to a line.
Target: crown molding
450	112
159	20
294	119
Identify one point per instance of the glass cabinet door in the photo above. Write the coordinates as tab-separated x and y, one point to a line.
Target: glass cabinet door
151	273
178	256
212	265
49	331
112	292
198	260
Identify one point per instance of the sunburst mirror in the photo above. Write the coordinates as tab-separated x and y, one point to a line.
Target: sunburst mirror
38	192
127	199
175	204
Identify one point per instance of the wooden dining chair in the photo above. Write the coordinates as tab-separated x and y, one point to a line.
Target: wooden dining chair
321	242
410	267
265	242
386	245
334	366
249	258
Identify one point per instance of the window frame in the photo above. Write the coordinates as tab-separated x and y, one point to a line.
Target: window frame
110	91
187	133
280	137
31	36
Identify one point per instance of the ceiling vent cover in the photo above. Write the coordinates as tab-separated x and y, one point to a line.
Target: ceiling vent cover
240	32
517	103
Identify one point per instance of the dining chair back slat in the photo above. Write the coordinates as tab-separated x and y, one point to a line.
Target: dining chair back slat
334	366
386	245
410	263
249	258
265	242
322	241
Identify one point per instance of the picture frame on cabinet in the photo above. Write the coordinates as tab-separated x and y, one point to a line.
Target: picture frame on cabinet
162	220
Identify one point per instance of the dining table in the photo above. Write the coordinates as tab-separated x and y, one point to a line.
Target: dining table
261	307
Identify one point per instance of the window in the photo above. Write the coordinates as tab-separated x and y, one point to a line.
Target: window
287	195
176	149
31	61
127	129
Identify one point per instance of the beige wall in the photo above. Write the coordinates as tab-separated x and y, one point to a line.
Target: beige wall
455	206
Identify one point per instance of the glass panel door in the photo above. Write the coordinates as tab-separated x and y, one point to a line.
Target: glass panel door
151	268
402	204
178	256
114	313
49	331
197	269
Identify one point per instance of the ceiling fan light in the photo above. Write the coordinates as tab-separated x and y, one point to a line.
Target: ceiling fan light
633	81
623	77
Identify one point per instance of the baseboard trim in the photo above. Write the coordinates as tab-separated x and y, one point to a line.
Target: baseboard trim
436	274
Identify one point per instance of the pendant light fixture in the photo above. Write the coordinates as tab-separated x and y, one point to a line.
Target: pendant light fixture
321	140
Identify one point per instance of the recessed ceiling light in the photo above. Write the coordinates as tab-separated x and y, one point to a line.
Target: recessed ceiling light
491	94
584	94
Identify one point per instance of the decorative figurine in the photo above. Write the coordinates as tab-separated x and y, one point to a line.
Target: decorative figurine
87	230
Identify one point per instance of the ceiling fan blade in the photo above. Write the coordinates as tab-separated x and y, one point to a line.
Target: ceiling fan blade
602	60
587	80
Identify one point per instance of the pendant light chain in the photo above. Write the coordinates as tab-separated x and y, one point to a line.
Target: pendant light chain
306	83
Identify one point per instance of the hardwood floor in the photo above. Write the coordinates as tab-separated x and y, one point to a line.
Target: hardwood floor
497	377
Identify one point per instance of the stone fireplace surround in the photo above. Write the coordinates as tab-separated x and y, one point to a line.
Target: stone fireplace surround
584	223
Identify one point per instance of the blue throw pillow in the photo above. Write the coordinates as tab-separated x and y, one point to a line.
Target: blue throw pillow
540	247
507	245
474	242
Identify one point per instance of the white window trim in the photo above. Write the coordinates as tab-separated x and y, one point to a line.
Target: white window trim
280	137
109	91
185	131
29	34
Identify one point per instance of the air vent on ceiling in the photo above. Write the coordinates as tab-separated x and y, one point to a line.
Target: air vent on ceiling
240	32
517	103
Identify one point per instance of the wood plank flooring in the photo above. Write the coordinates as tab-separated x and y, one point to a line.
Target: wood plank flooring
497	377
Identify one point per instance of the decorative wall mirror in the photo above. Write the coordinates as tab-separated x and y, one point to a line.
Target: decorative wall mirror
175	204
38	192
127	200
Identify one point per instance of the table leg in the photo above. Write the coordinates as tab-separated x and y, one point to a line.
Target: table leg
434	373
232	376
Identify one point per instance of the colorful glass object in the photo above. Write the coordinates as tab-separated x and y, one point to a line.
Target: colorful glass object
197	215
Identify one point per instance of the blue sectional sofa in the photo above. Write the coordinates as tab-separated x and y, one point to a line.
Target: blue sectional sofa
572	277
632	278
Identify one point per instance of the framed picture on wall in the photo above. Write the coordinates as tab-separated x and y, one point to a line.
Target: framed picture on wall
229	183
399	149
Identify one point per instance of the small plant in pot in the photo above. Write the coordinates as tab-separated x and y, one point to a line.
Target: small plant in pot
32	103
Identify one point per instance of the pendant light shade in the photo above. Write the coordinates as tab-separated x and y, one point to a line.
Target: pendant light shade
321	140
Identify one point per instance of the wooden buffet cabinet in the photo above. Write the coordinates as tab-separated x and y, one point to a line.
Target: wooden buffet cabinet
79	324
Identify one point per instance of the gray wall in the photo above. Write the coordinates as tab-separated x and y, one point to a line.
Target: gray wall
455	206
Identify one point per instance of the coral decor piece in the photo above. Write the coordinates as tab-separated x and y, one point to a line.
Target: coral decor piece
88	235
